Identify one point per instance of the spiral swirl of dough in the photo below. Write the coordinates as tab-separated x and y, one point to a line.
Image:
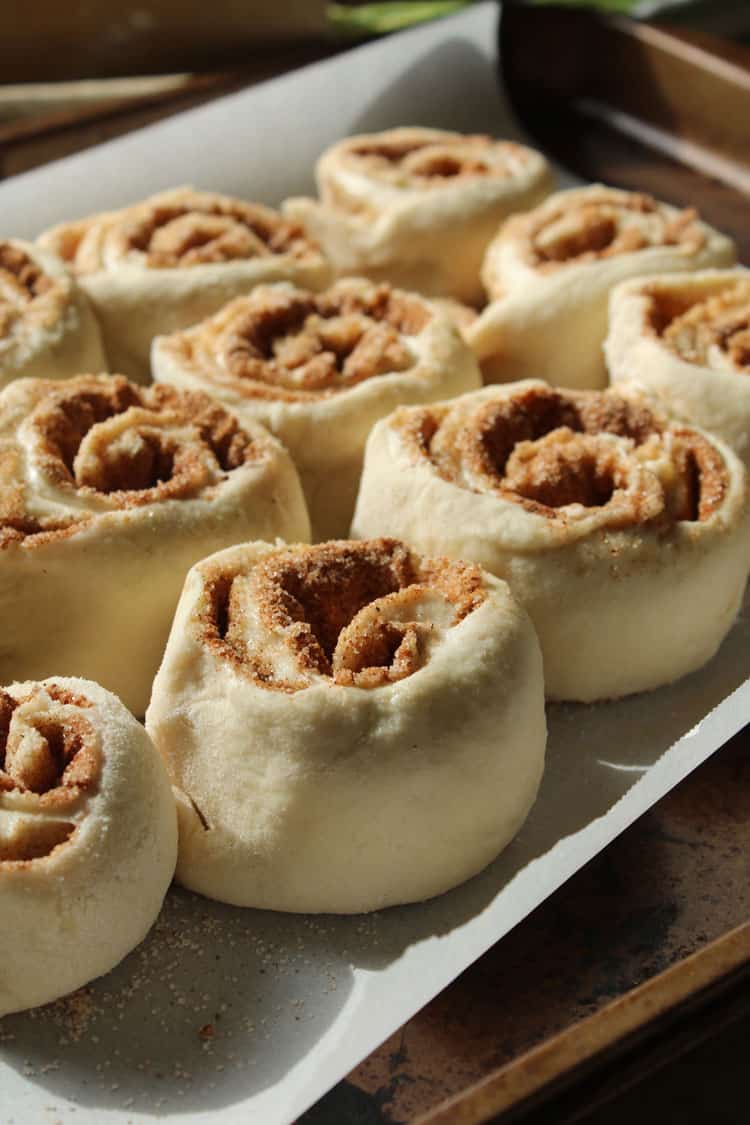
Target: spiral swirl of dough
410	159
604	224
580	459
88	837
46	324
174	258
714	333
594	509
108	493
319	369
418	207
177	229
362	614
349	725
549	273
686	341
50	761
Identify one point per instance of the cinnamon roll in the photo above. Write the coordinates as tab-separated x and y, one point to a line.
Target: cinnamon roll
549	274
417	207
347	726
319	370
88	837
175	258
626	537
686	340
108	494
47	327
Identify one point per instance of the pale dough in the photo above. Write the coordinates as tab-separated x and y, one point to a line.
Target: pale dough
549	274
627	538
109	492
318	371
348	726
88	837
170	260
418	207
686	341
47	327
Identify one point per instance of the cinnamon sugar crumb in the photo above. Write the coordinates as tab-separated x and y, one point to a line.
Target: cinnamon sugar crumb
103	436
294	345
548	449
604	224
324	604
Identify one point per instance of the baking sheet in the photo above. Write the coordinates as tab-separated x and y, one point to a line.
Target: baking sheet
232	1015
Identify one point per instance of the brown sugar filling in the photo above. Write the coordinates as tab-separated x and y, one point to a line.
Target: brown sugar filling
701	477
290	344
697	330
546	449
48	760
597	228
23	284
329	606
147	459
432	162
197	231
23	274
564	468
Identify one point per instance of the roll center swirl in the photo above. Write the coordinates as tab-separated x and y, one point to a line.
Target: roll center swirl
20	277
27	294
135	446
430	162
49	759
292	343
713	332
555	453
608	226
201	232
359	614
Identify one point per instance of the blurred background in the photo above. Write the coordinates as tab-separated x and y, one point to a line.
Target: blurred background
97	38
78	73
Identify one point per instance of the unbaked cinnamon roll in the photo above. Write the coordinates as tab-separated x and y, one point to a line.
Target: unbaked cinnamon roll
108	494
88	837
417	207
319	370
170	260
686	340
47	327
626	537
549	274
347	726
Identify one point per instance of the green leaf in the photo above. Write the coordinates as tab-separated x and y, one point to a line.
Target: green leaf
601	5
378	19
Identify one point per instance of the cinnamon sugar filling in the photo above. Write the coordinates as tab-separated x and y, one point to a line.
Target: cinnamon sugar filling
547	450
431	162
296	345
713	331
30	530
564	468
49	757
22	285
701	478
136	445
605	226
199	232
357	613
19	271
